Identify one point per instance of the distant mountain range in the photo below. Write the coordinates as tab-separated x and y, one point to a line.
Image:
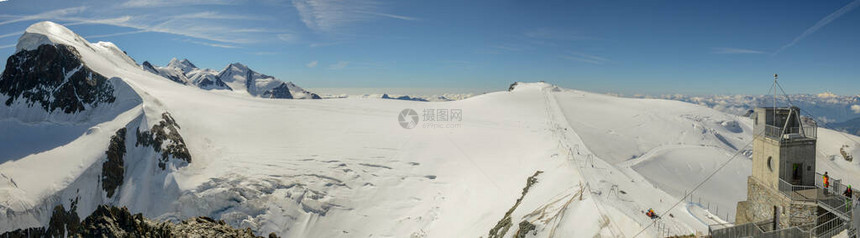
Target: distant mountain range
829	110
235	77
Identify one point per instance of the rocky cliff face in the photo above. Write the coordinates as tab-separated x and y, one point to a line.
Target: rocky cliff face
113	170
54	78
109	221
164	138
279	92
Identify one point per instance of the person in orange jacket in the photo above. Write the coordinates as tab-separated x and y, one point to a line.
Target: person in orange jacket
826	182
651	214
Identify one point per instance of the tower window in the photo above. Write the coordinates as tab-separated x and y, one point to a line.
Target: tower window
770	163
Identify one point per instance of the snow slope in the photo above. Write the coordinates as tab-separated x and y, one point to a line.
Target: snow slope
346	168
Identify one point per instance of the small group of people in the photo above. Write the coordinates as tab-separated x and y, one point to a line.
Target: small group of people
848	193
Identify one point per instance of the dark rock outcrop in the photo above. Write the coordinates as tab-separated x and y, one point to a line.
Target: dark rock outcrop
54	77
212	82
113	170
503	225
148	67
513	86
119	222
281	91
109	221
525	228
164	137
64	221
404	97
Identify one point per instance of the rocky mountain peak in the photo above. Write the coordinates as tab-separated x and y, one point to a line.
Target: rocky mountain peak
238	67
185	65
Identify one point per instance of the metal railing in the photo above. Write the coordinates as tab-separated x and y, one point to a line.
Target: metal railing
807	131
758	229
791	190
838	205
743	230
830	227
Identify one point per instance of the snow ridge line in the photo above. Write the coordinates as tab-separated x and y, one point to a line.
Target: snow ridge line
553	110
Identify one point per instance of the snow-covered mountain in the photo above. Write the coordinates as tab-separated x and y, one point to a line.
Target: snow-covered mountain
233	77
91	127
241	78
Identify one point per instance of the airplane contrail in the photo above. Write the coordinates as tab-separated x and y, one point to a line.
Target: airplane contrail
821	23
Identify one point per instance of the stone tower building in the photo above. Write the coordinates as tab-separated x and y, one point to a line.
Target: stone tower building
782	186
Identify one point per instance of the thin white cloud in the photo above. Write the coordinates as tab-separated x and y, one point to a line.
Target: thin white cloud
339	65
544	33
7	46
312	64
332	15
115	34
216	16
821	23
44	15
116	21
855	108
405	18
287	37
735	51
183	25
576	56
207	26
212	44
324	44
12	34
265	53
172	3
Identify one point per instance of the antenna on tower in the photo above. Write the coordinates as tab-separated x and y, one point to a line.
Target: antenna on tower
775	76
791	107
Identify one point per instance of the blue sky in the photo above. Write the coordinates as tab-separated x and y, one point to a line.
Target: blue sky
648	47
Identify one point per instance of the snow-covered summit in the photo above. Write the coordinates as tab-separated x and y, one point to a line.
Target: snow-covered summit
237	67
185	65
242	78
518	86
48	33
235	77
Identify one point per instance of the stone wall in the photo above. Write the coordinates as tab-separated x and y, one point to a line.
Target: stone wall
802	213
742	216
760	202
